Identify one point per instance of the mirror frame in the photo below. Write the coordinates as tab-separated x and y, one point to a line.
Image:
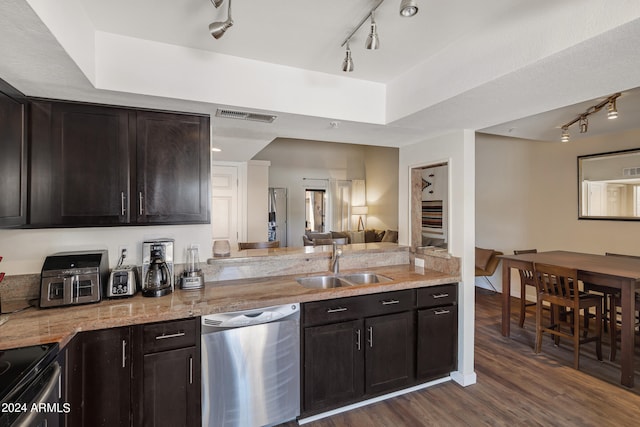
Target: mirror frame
581	181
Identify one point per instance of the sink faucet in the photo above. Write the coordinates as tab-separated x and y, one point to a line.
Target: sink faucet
335	255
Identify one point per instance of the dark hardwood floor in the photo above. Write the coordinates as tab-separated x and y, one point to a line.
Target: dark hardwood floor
514	386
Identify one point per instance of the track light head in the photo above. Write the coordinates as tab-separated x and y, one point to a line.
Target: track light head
217	3
408	8
347	64
565	135
612	111
373	42
217	29
584	124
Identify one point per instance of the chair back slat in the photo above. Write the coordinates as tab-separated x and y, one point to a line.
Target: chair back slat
558	282
526	276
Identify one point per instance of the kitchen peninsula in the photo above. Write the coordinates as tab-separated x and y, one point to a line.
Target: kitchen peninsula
247	279
148	350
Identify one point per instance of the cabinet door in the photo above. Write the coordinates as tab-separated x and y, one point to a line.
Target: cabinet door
172	168
437	342
333	365
79	164
171	388
99	383
13	157
389	356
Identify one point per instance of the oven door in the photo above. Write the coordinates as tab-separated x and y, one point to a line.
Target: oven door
42	399
69	289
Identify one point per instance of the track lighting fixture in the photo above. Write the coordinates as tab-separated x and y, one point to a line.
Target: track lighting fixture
347	64
373	42
583	122
217	29
217	3
408	8
612	111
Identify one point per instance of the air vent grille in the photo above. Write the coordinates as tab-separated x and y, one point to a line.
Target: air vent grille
631	171
244	115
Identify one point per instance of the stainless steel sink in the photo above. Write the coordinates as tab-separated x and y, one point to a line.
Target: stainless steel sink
365	278
322	282
352	279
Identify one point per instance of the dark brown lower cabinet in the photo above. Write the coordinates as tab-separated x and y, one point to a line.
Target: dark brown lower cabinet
333	365
389	352
99	384
361	347
143	375
171	389
436	345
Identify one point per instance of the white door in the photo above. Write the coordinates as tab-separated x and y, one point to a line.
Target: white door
224	204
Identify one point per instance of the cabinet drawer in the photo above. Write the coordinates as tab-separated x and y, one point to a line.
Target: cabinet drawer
333	310
438	295
169	335
389	302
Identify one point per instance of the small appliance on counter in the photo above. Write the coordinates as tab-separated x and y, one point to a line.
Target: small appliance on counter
157	268
192	277
123	281
71	278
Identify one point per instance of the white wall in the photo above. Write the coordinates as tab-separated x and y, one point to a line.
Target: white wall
24	251
458	150
257	201
527	197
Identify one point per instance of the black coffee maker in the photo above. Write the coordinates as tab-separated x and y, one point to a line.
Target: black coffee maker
157	271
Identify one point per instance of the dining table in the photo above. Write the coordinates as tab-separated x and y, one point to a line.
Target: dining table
617	272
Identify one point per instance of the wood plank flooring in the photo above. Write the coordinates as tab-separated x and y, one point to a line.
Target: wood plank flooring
514	386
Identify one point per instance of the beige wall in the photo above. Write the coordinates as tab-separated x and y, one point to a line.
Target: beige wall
294	162
527	197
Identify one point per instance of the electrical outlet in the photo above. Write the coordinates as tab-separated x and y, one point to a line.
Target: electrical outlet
127	253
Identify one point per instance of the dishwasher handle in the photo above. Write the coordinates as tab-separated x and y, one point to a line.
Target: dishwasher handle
239	319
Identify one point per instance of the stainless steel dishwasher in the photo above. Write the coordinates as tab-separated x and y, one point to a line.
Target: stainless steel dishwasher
251	367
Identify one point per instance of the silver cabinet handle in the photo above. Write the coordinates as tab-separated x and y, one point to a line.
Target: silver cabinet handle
390	302
140	203
436	296
336	310
166	336
123	209
190	369
370	329
124	353
358	339
439	312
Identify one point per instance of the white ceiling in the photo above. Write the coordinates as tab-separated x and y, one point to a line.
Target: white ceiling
507	67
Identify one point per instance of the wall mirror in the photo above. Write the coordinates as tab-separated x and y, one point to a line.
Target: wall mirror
429	206
314	210
609	186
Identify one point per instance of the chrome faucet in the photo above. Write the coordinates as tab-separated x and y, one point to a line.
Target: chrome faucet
335	255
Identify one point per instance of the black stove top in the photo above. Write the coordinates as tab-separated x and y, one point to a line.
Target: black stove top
19	366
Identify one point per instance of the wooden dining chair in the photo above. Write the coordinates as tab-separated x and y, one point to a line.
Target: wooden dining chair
526	279
615	305
558	286
258	245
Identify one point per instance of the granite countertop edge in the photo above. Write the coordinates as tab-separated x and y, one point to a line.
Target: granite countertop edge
42	326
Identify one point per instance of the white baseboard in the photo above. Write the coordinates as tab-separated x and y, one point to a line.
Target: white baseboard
464	379
373	400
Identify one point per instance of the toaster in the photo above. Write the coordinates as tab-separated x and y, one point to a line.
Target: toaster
123	282
71	278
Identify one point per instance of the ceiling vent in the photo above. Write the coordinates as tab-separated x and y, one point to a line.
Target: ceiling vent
631	171
244	115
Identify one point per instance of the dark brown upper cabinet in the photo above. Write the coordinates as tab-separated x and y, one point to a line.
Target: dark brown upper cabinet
13	156
94	165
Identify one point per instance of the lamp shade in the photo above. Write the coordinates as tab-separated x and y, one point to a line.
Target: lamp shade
359	210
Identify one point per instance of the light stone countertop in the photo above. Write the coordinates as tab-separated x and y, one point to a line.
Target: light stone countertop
38	326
